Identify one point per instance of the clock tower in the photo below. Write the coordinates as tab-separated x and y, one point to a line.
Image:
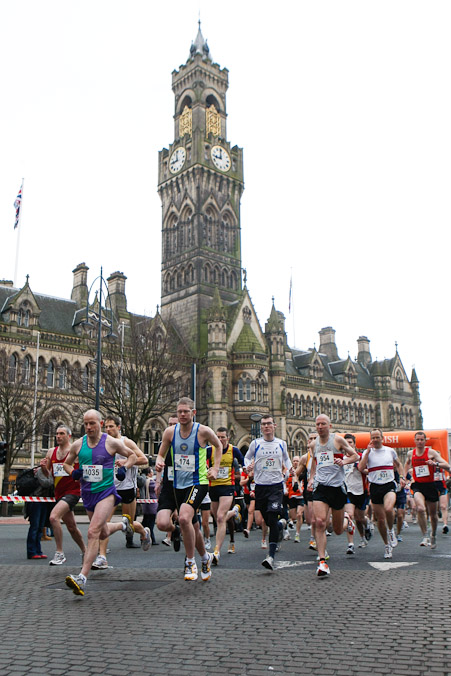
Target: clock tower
200	183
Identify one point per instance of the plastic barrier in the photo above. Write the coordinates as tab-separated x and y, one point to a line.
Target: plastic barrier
35	498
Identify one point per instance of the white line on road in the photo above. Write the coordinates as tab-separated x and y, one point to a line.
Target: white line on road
292	564
387	565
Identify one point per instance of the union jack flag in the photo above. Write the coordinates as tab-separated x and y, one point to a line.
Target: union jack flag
17	204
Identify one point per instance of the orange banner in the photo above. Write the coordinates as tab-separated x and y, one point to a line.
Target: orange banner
436	439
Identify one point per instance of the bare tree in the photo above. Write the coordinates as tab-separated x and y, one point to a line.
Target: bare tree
142	376
17	423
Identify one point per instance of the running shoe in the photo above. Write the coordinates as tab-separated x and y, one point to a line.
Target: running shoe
77	583
100	563
392	538
351	526
291	524
246	533
363	542
58	559
231	549
405	525
127	524
167	542
445	530
425	542
350	549
207	543
326	556
286	534
264	544
328	533
147	540
175	538
433	542
205	572
190	571
323	569
388	552
297	537
216	556
312	545
268	563
237	514
399	538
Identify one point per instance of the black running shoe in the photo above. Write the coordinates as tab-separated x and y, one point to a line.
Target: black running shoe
175	538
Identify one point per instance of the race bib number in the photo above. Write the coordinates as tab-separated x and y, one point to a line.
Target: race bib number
422	470
223	473
325	458
185	463
92	473
58	469
382	476
270	464
170	474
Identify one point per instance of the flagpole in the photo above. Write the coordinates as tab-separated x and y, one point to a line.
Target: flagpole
291	306
18	236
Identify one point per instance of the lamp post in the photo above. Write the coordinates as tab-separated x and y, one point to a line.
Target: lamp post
255	425
35	401
98	318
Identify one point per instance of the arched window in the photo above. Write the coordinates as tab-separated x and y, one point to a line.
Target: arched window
156	441
27	370
50	381
12	368
248	389
46	436
399	380
147	441
85	379
240	390
62	380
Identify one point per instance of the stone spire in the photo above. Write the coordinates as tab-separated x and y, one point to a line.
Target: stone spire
200	46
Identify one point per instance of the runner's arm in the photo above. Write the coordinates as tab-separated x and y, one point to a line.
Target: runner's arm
72	456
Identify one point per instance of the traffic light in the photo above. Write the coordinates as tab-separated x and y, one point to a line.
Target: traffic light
3	452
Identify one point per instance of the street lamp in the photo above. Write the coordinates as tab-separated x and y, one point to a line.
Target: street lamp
255	425
98	319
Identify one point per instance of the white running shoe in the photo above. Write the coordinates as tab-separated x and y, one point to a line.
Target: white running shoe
207	543
264	544
58	559
268	563
191	571
350	549
146	541
363	542
393	539
425	542
323	569
205	572
388	552
100	563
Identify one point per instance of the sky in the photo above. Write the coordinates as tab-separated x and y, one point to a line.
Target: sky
343	110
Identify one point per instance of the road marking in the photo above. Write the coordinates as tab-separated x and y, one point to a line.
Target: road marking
441	556
387	565
292	564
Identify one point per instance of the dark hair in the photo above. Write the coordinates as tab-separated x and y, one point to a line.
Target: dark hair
350	436
223	429
115	418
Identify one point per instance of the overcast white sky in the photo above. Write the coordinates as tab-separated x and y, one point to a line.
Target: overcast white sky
343	110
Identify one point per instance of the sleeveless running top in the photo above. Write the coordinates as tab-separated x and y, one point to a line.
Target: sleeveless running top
63	483
422	472
327	473
98	466
190	459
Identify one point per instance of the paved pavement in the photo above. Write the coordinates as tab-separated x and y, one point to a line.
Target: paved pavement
140	616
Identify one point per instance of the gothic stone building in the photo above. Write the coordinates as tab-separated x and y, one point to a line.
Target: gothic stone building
242	368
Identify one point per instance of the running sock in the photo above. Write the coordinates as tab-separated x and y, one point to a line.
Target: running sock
193	560
83	577
204	558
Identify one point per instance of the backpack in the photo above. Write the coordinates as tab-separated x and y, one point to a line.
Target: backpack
26	482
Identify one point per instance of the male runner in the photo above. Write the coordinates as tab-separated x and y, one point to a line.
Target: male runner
222	489
424	462
327	479
303	474
126	489
295	499
267	456
67	495
381	462
167	508
188	441
95	453
356	484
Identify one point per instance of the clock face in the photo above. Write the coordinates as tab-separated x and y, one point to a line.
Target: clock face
221	158
177	160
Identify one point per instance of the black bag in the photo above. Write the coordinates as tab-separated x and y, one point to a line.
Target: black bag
26	482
